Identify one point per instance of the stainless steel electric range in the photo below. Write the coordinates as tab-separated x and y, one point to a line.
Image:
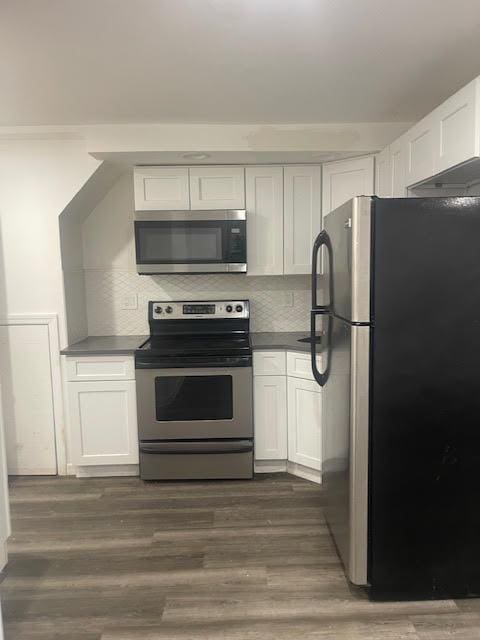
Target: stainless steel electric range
194	391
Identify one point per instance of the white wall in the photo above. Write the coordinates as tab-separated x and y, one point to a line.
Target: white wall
37	180
277	303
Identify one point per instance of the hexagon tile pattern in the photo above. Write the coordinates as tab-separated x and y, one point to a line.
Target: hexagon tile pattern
268	295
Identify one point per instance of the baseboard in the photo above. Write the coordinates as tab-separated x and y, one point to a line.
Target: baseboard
279	466
304	472
270	466
71	469
106	471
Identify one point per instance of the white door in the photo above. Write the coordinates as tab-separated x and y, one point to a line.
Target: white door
302	216
25	375
217	187
264	202
383	174
345	179
103	422
4	507
270	417
158	188
304	423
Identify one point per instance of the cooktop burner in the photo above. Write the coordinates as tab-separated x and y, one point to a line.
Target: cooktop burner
196	345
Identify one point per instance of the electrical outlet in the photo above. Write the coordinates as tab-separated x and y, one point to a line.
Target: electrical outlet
129	302
288	299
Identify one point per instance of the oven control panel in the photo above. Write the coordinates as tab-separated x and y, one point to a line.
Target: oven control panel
199	309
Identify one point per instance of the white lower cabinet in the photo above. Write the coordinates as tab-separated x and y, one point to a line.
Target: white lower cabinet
287	414
304	423
270	417
102	413
103	422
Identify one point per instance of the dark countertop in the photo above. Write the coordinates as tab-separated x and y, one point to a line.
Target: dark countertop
281	340
126	345
104	345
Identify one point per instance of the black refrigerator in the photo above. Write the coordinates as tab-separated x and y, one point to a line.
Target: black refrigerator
400	311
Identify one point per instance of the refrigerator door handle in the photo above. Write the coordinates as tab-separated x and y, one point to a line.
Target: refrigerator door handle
322	240
321	378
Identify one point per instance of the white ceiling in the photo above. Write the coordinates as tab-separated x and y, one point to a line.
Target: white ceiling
264	61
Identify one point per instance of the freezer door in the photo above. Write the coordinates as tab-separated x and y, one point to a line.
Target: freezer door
345	443
349	229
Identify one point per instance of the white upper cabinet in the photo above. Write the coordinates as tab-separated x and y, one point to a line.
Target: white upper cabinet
397	167
264	203
302	216
158	188
421	144
444	147
383	174
458	121
345	179
270	417
217	187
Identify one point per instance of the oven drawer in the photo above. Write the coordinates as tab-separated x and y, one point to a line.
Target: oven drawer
207	460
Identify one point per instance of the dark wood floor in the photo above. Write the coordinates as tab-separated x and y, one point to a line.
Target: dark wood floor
118	559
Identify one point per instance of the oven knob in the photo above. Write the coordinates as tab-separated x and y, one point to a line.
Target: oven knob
229	308
169	309
239	308
158	309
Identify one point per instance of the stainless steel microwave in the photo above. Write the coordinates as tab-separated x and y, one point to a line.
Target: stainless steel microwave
191	241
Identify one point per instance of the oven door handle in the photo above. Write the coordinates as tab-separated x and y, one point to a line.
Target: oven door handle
193	447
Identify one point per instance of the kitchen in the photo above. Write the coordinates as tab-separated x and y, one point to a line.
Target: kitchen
157	294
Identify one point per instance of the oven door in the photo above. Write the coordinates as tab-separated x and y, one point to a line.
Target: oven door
180	404
189	244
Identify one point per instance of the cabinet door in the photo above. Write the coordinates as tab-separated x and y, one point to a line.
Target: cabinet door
158	188
383	174
345	179
398	161
5	529
270	417
458	138
103	422
264	201
28	410
304	423
421	145
302	216
217	187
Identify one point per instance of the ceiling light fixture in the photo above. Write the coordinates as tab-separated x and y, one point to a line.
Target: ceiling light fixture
196	156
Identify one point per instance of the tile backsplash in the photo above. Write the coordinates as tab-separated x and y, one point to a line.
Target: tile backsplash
277	303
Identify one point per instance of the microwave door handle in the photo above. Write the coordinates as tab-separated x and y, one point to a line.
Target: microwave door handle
322	240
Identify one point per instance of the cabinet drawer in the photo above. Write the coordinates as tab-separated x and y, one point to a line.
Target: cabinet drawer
299	365
269	363
100	368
